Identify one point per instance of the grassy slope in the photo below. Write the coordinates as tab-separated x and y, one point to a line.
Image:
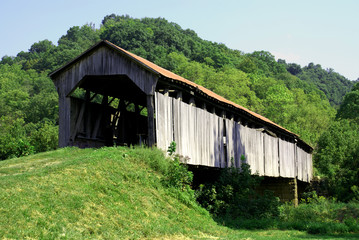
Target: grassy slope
109	193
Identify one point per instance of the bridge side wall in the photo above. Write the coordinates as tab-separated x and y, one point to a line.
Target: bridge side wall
206	139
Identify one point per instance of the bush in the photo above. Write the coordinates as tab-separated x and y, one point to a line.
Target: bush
177	175
319	215
19	139
14	141
234	195
45	137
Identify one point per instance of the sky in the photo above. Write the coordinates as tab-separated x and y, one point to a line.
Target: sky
324	32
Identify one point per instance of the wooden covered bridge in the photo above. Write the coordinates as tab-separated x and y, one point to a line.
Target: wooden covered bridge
108	96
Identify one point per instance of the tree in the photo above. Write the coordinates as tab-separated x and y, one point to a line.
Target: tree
294	69
14	141
350	106
337	159
331	83
41	47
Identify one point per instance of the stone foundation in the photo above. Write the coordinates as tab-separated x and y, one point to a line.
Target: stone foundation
287	189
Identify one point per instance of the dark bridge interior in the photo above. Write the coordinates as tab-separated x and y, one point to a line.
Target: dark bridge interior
108	110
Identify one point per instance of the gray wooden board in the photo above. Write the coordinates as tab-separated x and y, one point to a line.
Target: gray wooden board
286	159
271	156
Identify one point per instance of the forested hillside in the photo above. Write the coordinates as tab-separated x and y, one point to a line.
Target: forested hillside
302	99
334	85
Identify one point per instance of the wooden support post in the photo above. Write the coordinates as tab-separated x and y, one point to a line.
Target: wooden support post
93	96
64	120
121	128
113	98
104	100
78	121
87	95
295	189
166	92
116	116
99	117
137	122
150	120
87	114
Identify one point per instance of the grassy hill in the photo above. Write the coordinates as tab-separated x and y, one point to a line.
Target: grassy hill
108	193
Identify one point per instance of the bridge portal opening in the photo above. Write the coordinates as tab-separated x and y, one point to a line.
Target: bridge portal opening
108	110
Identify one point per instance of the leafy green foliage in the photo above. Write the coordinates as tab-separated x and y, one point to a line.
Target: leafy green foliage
349	109
177	175
318	215
337	159
27	100
44	56
334	85
172	148
14	141
44	136
234	196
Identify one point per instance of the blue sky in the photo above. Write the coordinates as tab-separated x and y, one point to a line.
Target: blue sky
323	32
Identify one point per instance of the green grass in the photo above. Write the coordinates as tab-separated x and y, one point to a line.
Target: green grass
108	193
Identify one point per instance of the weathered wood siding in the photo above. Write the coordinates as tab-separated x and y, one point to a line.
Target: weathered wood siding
271	155
302	166
286	158
197	133
209	140
103	61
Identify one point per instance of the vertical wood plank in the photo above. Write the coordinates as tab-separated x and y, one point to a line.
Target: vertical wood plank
271	155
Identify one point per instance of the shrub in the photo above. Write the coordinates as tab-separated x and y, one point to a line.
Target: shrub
319	215
177	174
45	136
13	138
234	195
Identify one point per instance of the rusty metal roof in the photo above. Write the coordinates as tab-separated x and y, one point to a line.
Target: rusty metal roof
170	75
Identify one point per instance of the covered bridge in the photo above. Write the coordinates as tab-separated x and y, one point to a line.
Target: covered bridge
108	96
